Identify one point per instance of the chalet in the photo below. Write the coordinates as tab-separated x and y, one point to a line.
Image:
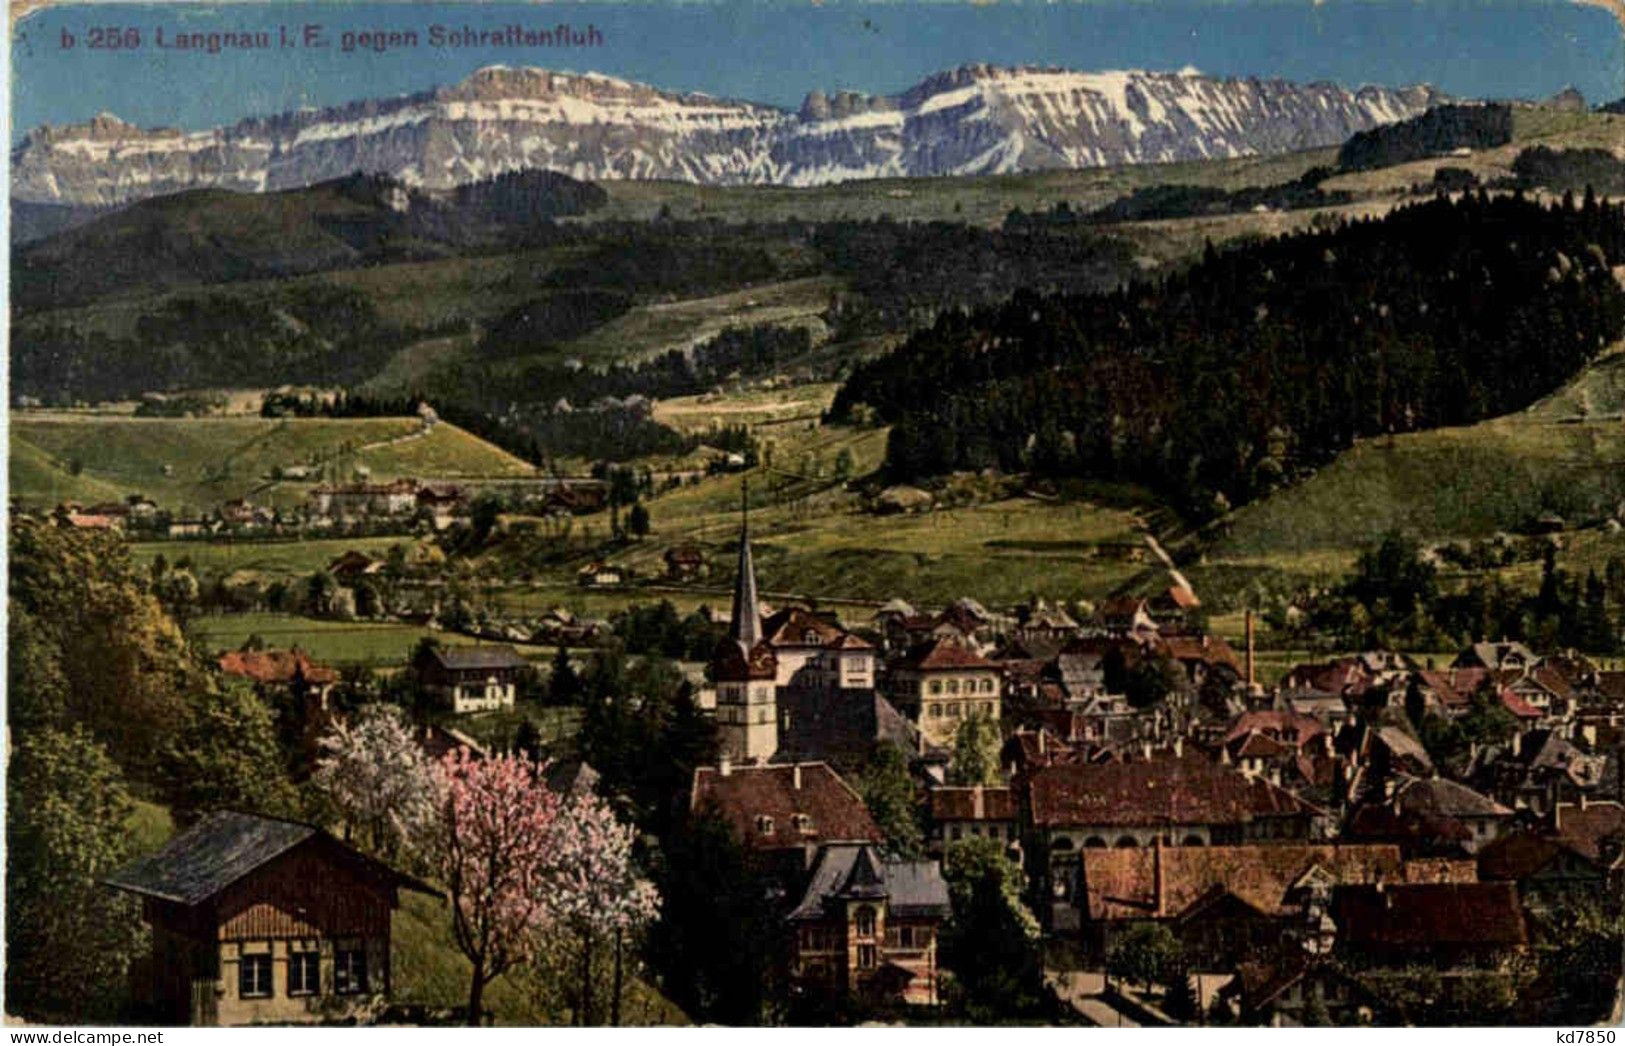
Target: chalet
974	812
1044	621
1505	655
1580	850
867	927
685	563
352	566
1226	904
1125	616
1449	926
940	683
261	921
470	679
443	502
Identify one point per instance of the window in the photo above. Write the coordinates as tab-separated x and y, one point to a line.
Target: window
936	687
866	921
254	976
802	822
954	833
350	971
866	956
764	825
905	937
953	686
987	686
936	711
304	973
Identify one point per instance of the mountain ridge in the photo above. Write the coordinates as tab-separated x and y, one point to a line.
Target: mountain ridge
975	119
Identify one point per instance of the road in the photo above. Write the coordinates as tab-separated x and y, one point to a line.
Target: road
1082	990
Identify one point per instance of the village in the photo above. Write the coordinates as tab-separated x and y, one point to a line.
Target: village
1368	839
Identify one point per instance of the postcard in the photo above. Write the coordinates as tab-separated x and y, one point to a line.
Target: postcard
816	513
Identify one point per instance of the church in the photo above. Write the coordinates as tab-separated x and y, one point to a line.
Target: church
795	685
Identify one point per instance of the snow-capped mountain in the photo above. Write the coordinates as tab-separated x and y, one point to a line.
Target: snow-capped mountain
973	120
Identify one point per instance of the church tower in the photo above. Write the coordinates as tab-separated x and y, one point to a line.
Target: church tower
745	668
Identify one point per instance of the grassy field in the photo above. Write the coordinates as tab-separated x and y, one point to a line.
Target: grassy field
373	644
649	330
190	465
269	559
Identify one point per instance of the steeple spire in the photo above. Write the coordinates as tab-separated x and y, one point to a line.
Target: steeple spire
747	611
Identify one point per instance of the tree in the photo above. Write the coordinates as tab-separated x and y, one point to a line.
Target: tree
976	751
991	941
888	791
494	841
379	780
1143	955
598	896
637	520
224	754
68	938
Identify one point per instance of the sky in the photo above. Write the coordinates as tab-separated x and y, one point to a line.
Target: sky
777	51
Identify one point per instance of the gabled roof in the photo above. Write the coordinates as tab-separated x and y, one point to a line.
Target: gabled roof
221	849
477	658
835	813
1124	883
275	666
1427	915
1275	724
1443	797
956	803
941	654
791	627
910	888
1159	792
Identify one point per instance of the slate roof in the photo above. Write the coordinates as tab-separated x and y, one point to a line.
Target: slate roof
1123	883
834	811
477	658
1429	915
910	888
219	850
840	729
1443	797
1188	791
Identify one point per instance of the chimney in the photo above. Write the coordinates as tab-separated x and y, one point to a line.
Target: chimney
1040	740
1156	872
1179	748
1252	680
978	803
795	776
725	765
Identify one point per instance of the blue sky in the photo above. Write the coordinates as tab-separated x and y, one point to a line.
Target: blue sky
775	52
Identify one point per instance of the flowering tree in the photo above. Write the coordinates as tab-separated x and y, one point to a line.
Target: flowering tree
596	893
382	783
496	844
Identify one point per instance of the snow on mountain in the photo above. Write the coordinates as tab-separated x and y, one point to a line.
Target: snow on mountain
973	120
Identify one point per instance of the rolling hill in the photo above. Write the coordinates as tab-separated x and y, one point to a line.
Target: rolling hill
190	465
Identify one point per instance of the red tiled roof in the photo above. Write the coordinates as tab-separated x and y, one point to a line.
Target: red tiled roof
942	654
959	804
1454	686
1519	707
848	641
835	812
1209	650
275	666
1190	791
1261	746
1123	883
731	663
1120	607
790	626
1584	829
1275	724
1424	915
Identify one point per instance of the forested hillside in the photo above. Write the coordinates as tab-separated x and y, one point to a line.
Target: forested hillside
1263	362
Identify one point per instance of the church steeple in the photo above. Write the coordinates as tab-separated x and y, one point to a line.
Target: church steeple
746	629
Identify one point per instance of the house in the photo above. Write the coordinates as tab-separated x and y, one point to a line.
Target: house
470	678
1072	807
685	563
782	814
1444	925
599	574
1502	656
350	500
188	528
1543	768
238	512
1125	616
1173	606
1226	904
1579	851
972	812
309	683
353	565
1284	992
867	927
262	921
940	683
1435	813
442	501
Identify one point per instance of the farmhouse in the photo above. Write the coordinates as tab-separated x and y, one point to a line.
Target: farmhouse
470	679
261	921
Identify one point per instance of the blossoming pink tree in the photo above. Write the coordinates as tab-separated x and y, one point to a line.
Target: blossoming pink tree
596	893
380	781
497	841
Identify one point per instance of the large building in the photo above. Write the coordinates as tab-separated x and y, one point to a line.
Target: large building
261	921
